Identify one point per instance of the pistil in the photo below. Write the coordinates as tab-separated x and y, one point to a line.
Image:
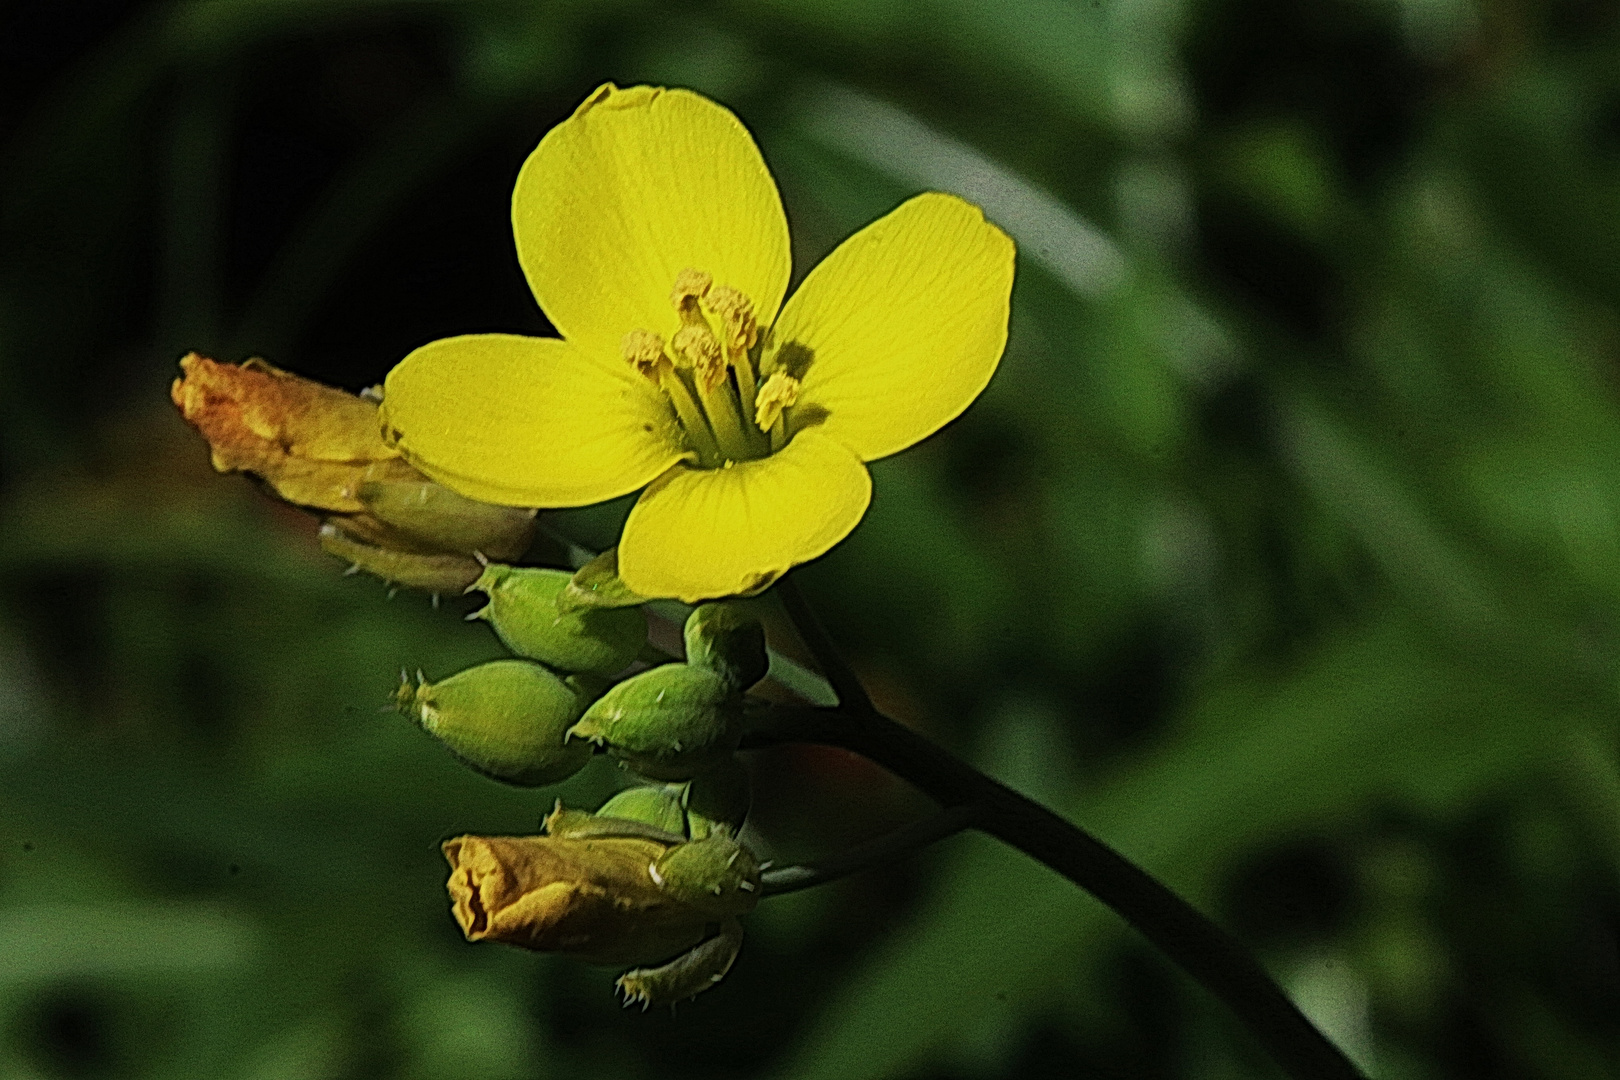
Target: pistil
696	349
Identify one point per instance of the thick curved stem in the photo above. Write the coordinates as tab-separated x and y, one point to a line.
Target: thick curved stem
1180	931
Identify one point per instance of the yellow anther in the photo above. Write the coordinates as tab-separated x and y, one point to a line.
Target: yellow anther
736	313
779	391
645	350
690	286
695	344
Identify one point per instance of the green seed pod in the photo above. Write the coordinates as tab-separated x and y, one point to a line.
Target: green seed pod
658	805
523	610
726	639
508	719
717	801
440	573
597	585
670	723
444	520
716	876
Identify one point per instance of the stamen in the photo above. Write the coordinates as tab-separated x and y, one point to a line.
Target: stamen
645	350
698	433
691	285
695	369
739	331
696	345
780	391
736	314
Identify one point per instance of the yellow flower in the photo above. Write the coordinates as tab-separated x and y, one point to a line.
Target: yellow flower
653	237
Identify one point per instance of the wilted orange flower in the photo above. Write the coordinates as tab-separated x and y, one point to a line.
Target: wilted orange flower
591	898
318	448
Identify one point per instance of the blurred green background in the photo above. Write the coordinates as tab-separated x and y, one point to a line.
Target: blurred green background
1283	551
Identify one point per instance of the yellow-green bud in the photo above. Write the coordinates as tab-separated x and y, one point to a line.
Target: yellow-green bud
508	719
597	585
716	876
669	723
657	805
523	610
441	573
727	640
717	801
444	520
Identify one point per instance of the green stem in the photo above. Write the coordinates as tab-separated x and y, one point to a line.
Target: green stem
896	845
1180	931
1183	933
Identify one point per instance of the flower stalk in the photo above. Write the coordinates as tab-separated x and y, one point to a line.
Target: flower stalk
1185	935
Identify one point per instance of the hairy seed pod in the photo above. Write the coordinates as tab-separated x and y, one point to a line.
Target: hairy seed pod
524	612
508	719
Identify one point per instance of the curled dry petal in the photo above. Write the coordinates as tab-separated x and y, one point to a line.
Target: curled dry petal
312	444
321	449
592	898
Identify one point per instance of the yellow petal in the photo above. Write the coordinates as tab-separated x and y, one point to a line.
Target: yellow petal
900	328
638	185
528	421
700	533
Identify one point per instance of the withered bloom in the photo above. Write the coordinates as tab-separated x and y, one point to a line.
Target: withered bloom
320	449
591	898
610	891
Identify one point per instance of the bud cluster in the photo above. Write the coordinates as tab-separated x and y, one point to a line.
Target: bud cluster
659	870
658	875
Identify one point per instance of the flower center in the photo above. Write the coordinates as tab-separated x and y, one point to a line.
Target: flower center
709	370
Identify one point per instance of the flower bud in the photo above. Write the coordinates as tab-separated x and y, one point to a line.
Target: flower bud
669	723
524	612
727	640
442	520
715	875
658	805
508	719
597	585
717	800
